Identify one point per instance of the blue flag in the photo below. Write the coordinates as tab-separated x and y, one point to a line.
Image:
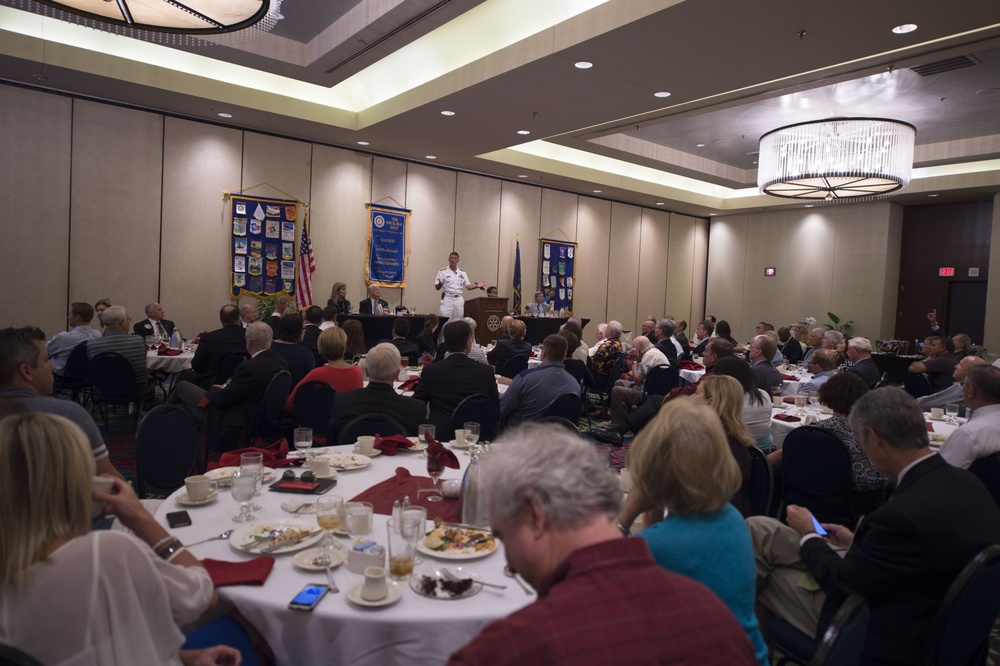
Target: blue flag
517	279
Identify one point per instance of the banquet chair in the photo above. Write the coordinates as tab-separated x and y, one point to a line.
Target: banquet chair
840	645
75	373
227	366
604	383
960	631
916	384
313	404
566	406
514	366
988	471
166	449
11	656
113	383
661	380
366	424
761	490
478	408
817	475
271	405
883	381
560	421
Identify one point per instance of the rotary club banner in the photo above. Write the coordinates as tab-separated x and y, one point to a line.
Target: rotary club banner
388	238
557	261
262	258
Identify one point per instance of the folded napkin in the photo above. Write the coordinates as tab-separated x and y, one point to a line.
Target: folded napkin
690	365
437	451
409	384
930	427
790	399
790	378
787	417
275	455
249	572
403	484
392	444
168	352
402	475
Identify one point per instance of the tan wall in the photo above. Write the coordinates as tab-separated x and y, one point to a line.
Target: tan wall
991	334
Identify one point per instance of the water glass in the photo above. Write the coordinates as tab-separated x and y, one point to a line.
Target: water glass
403	533
471	433
244	486
329	512
951	410
358	519
253	463
423	430
303	439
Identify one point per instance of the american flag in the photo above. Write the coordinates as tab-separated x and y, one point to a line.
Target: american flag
306	267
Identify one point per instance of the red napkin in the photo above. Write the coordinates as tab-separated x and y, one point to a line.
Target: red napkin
250	572
204	403
392	444
402	484
409	384
275	455
930	427
168	352
437	451
690	365
425	360
787	417
402	475
791	378
790	399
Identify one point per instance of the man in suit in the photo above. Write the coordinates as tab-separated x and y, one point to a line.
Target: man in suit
537	308
215	346
310	332
248	315
859	353
446	383
379	397
374	303
506	349
761	351
663	333
407	350
905	554
154	323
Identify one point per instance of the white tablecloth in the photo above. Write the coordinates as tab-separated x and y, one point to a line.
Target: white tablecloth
416	630
780	429
169	364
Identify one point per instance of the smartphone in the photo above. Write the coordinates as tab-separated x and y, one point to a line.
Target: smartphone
819	528
178	519
310	595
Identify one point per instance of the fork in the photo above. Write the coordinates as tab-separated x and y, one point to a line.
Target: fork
447	573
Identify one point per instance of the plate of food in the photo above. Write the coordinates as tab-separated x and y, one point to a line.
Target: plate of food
346	462
417	445
434	583
276	537
224	475
451	542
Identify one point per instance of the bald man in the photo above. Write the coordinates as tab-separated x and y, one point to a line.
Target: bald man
954	392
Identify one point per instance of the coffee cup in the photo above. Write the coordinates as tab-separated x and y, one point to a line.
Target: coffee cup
460	437
366	445
199	487
778	401
809	419
374	588
320	466
937	412
103	484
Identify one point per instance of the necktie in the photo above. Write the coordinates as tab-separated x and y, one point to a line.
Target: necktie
162	332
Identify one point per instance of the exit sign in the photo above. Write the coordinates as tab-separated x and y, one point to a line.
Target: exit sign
770	271
946	272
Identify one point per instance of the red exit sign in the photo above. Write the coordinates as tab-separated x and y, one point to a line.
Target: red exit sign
946	272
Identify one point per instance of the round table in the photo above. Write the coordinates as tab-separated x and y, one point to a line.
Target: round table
169	364
416	630
780	428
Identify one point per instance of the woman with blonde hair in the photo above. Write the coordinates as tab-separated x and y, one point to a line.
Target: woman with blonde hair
725	396
682	478
338	298
113	598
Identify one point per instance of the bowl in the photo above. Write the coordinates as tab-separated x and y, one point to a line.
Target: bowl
451	487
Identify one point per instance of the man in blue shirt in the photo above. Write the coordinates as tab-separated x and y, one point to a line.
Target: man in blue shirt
61	344
532	391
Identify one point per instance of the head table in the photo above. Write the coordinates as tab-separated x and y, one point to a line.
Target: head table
416	630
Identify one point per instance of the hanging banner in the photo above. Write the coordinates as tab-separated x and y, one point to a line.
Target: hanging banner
263	248
388	238
557	274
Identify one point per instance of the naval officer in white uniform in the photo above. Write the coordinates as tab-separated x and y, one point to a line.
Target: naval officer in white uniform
452	280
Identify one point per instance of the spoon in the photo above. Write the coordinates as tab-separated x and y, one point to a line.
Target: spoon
510	574
224	535
447	573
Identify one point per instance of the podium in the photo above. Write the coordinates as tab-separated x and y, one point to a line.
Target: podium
487	311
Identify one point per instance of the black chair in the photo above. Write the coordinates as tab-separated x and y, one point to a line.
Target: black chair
166	449
817	473
960	632
113	383
761	490
367	424
604	383
75	376
514	366
227	366
271	405
916	385
560	421
883	381
566	406
11	656
478	408
662	379
313	404
840	645
988	471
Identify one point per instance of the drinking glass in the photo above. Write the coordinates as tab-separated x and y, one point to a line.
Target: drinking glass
951	410
471	433
244	486
358	519
423	430
434	469
403	533
303	438
801	400
329	510
419	514
814	401
150	343
253	463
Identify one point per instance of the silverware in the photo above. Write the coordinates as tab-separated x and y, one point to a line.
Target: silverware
517	579
224	535
290	542
447	573
466	527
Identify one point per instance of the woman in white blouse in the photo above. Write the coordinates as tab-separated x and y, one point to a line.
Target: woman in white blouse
69	596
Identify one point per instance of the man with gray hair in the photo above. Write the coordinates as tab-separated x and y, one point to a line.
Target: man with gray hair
601	334
248	314
666	342
117	339
815	342
379	397
607	353
602	598
760	352
954	392
980	435
628	393
859	353
905	554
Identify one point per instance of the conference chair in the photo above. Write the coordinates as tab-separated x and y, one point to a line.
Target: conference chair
166	449
312	405
662	379
840	645
916	384
271	405
514	366
988	471
227	366
478	408
75	374
366	424
761	490
560	421
113	383
604	384
882	382
566	406
817	475
11	656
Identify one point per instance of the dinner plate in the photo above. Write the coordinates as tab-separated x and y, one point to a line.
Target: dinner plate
255	537
345	462
224	475
299	507
417	445
420	578
395	594
470	554
374	454
306	559
184	500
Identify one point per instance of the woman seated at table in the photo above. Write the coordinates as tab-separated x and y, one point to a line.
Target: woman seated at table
427	338
337	372
722	330
756	402
839	393
681	465
725	396
287	343
355	340
338	298
70	595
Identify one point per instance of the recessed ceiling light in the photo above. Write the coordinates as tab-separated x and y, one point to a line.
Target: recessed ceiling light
904	28
447	113
523	132
431	157
363	143
223	114
662	93
583	64
808	206
712	214
523	175
659	203
597	191
701	145
933	195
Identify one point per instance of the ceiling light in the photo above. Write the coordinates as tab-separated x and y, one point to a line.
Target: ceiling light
597	191
583	64
701	145
431	157
523	175
659	203
904	28
809	205
837	158
447	113
712	214
363	143
661	94
523	132
933	195
223	114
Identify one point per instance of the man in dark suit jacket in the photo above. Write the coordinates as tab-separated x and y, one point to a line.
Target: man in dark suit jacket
311	330
379	397
663	331
446	383
216	345
905	554
506	349
859	352
407	349
374	302
154	323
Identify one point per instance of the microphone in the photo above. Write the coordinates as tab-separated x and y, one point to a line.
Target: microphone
482	289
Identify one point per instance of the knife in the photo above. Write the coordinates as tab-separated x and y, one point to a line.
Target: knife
291	542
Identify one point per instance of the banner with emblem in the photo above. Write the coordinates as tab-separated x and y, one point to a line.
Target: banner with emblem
388	239
262	254
557	273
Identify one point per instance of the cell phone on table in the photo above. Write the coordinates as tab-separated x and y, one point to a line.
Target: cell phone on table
178	519
820	530
310	595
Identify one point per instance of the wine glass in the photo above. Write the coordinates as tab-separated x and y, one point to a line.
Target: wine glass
329	512
434	469
156	340
253	463
951	410
814	401
801	399
303	440
150	343
358	520
244	486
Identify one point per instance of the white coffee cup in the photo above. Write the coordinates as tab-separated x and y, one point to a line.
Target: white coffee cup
460	437
366	445
320	466
374	588
199	487
778	401
625	479
937	412
102	484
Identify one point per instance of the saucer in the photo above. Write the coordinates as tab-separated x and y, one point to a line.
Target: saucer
305	559
943	418
456	444
331	475
374	454
184	500
395	594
